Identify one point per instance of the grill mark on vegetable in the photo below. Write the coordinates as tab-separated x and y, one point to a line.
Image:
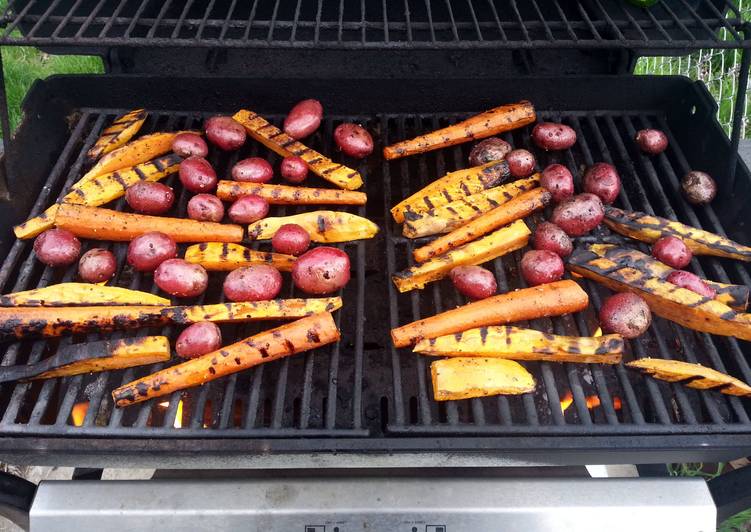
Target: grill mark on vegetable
312	336
321	224
483	335
427	202
289	345
264	352
465	188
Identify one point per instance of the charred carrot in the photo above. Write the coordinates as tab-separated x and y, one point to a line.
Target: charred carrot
118	133
223	256
80	294
301	335
105	224
286	195
486	124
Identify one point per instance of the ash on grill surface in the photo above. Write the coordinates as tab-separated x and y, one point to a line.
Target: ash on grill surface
392	24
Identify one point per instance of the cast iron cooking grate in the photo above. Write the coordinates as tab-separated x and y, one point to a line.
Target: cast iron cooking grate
450	24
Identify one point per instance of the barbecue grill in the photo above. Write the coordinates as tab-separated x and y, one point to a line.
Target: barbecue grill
401	69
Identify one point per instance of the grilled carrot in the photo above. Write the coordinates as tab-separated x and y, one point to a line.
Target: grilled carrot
451	187
516	209
552	299
486	124
118	133
463	210
286	195
223	256
80	294
289	339
276	140
464	378
23	322
323	226
105	224
692	375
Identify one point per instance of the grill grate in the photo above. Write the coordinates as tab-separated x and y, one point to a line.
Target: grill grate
316	394
450	24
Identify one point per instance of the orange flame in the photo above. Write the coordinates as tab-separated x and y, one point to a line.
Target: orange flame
566	401
593	401
598	332
78	413
179	415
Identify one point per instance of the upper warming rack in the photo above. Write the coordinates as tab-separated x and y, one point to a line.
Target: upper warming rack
388	24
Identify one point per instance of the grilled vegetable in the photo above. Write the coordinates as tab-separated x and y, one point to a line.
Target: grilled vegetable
579	214
672	251
699	187
301	335
692	375
464	378
147	251
521	163
353	139
463	210
190	144
25	322
553	299
97	265
321	270
651	141
205	208
626	314
180	278
669	301
248	209
496	244
550	237
323	226
559	182
733	295
514	343
197	175
105	224
516	209
647	228
225	133
198	339
490	149
150	198
602	180
474	282
79	294
303	119
259	282
540	266
278	141
480	126
286	195
57	247
101	190
290	239
293	169
221	256
92	357
253	170
451	187
121	131
552	136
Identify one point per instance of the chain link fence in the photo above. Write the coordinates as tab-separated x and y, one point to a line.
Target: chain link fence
718	69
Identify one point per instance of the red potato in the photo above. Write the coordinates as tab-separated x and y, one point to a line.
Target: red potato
691	282
57	247
97	265
181	278
557	180
147	251
293	169
189	144
550	237
541	266
290	239
225	133
248	209
699	187
150	198
602	179
253	170
626	314
197	175
205	208
579	214
303	119
672	251
198	339
354	140
651	141
521	163
473	282
259	282
321	270
488	150
553	137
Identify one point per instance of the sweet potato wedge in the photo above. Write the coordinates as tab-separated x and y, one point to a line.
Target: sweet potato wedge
691	375
223	256
278	141
515	343
80	294
667	300
464	378
118	133
518	208
647	228
733	295
92	357
463	210
552	299
323	226
451	187
26	322
301	335
485	124
496	244
286	195
105	224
